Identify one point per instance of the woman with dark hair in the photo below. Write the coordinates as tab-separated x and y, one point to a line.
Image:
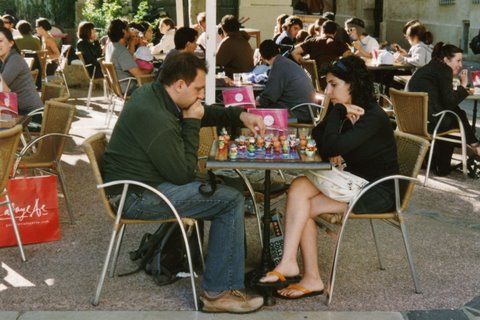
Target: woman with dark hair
358	131
16	76
43	27
89	46
436	79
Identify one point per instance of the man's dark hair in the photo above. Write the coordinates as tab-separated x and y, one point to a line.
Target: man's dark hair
291	21
329	15
24	27
116	29
183	36
230	23
182	66
43	23
268	49
329	27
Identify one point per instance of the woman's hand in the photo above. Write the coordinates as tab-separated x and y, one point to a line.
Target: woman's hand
354	112
463	77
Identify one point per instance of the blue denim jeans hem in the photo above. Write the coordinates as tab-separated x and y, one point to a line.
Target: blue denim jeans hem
225	264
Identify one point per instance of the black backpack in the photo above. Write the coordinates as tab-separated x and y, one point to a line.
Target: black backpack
475	44
163	255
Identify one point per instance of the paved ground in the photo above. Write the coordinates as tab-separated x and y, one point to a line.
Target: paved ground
443	222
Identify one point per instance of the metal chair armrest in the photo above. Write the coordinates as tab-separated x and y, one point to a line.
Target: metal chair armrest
396	178
442	114
129	79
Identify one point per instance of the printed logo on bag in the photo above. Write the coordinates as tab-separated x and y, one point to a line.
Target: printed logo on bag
38	209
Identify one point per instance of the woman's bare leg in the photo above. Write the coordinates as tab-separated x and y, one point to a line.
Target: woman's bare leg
304	202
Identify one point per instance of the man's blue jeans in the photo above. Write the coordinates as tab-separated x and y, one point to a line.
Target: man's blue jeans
225	265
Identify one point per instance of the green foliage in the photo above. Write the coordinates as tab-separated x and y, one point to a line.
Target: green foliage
100	13
143	9
59	12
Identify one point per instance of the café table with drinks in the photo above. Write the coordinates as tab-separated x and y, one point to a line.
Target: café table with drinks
279	149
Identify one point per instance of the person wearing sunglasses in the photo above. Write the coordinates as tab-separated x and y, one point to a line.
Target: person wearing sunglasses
362	43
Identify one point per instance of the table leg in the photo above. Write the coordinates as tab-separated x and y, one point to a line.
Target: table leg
474	116
266	255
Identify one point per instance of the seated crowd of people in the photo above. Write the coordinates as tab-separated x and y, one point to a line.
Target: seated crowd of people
160	123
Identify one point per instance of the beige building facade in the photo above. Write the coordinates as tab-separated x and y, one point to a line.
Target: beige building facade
453	21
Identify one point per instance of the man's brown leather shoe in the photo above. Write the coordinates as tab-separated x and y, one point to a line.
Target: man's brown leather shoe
231	301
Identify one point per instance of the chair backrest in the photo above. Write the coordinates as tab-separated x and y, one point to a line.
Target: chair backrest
8	146
57	118
63	58
411	151
95	147
110	74
310	67
207	136
42	59
29	61
411	111
34	75
53	91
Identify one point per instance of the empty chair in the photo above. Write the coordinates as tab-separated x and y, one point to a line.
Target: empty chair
95	147
62	63
310	67
53	91
115	90
8	146
49	145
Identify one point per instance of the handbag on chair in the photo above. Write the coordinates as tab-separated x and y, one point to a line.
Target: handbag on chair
336	184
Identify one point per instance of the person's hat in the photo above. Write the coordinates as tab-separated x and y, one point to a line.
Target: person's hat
355	22
143	53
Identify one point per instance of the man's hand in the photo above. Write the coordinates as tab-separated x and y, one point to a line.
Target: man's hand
253	122
195	111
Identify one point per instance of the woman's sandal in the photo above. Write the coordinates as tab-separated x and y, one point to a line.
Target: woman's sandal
282	281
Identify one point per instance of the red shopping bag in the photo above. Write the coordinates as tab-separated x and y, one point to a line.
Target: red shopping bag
8	103
242	96
35	206
273	118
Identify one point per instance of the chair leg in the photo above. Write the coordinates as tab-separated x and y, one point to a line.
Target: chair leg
334	261
190	265
96	298
376	245
61	177
15	228
255	205
90	87
416	283
117	250
199	239
430	155
110	113
65	82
